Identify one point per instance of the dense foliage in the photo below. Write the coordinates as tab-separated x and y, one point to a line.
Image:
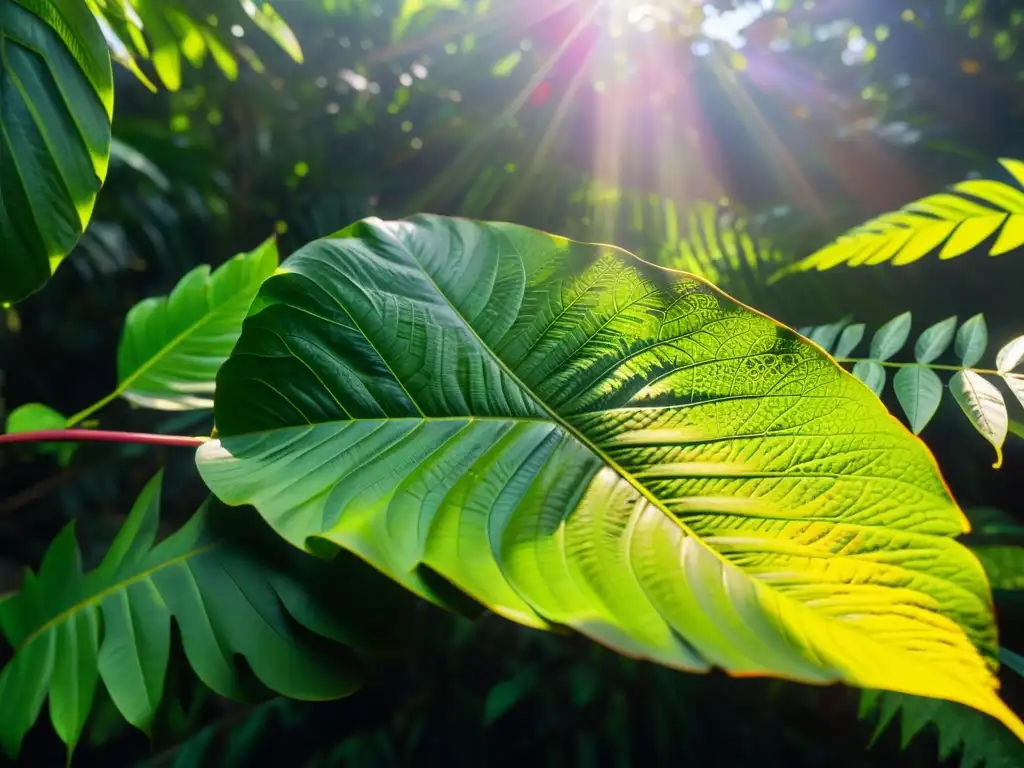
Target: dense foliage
507	423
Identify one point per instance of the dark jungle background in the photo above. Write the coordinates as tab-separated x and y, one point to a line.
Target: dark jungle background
824	114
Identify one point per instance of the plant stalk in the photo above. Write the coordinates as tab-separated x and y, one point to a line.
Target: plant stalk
101	436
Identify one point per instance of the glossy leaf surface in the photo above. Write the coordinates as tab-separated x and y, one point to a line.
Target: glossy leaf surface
232	590
56	103
172	346
576	437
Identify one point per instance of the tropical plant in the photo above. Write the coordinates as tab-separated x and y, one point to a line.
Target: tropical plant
498	420
917	386
626	419
55	113
970	215
231	589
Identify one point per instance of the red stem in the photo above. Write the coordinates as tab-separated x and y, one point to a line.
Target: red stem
102	436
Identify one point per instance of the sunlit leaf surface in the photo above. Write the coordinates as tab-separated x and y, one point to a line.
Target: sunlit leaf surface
575	437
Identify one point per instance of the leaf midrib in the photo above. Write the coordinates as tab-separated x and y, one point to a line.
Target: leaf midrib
165	350
565	425
96	598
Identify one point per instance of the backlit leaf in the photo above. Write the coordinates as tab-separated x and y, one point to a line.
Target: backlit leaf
1009	356
890	338
172	346
919	391
984	406
971	341
56	103
952	223
269	20
575	437
934	340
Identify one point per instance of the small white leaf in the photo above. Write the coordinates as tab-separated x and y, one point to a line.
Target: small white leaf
891	337
849	340
919	392
984	406
1009	357
935	340
971	341
1016	386
872	374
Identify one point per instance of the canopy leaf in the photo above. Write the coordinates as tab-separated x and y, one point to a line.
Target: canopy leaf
56	103
172	346
234	589
575	437
983	214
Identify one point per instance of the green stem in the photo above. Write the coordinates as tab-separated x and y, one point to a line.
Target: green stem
933	366
85	413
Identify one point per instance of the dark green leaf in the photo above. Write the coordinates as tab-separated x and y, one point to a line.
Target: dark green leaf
56	103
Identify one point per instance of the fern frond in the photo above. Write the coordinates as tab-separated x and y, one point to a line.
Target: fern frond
969	215
980	741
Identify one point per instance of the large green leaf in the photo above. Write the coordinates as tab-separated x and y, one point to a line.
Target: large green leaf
56	103
970	214
234	591
172	346
576	437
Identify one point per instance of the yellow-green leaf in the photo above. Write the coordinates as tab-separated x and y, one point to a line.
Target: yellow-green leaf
269	20
952	223
575	437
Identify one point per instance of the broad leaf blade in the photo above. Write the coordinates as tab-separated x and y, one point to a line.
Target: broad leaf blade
971	341
56	103
573	436
890	338
172	346
984	406
919	391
